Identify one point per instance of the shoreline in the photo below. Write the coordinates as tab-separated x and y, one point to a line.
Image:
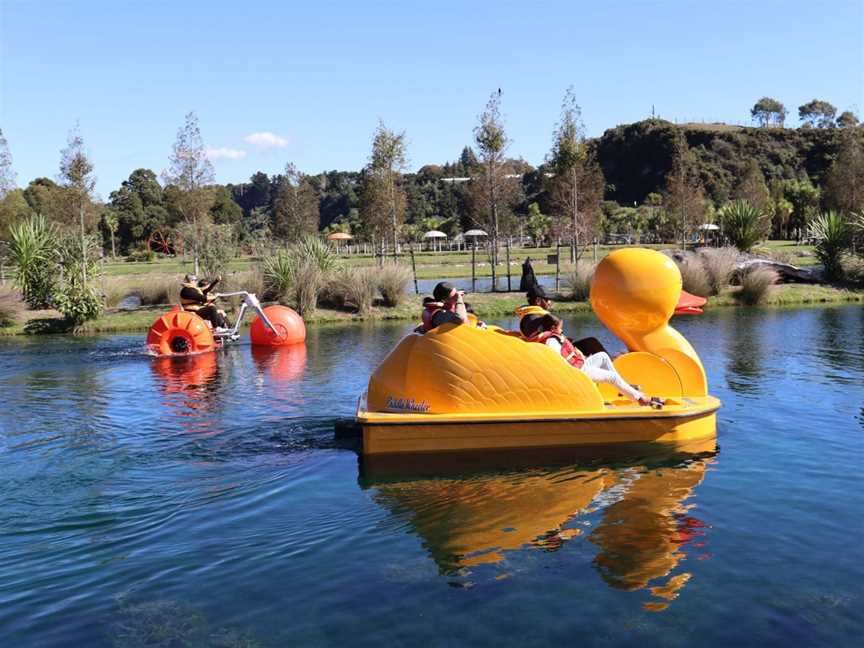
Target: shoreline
487	305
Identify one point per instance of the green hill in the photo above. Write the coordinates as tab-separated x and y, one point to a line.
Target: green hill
635	158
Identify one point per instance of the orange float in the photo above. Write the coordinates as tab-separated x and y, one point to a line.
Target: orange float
180	333
287	324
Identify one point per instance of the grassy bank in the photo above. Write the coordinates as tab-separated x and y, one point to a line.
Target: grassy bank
487	305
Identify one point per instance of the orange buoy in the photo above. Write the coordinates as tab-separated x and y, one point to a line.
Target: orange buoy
180	333
289	326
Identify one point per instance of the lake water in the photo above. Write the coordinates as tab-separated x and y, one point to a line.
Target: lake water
206	503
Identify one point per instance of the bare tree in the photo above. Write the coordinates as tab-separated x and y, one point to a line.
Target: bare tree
76	174
844	184
489	178
573	174
190	172
384	173
7	173
684	197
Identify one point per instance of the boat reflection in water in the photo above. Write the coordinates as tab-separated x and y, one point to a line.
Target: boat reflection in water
472	511
189	386
281	363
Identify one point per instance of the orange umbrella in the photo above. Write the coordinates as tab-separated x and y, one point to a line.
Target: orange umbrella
339	236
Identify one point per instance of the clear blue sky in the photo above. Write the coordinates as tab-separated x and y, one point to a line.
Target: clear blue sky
321	74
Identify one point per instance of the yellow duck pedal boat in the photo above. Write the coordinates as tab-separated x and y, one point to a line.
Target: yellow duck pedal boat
460	388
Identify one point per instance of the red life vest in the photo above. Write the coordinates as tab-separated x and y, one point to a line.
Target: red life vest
429	310
569	352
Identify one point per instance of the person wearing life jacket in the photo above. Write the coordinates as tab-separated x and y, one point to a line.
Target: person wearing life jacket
196	297
445	305
597	366
538	305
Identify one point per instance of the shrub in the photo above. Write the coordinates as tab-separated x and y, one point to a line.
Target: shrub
141	253
694	277
756	284
744	224
76	295
834	236
782	256
154	291
853	269
579	281
159	291
356	288
33	248
298	274
393	282
719	265
11	306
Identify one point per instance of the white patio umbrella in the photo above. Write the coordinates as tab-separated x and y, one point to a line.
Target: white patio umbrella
435	235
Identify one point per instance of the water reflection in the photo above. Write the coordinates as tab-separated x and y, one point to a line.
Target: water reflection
281	364
189	386
835	346
744	354
468	519
643	534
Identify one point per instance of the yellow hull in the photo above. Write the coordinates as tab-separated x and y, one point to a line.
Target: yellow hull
680	423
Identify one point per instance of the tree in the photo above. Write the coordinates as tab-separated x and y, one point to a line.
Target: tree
386	163
684	197
844	184
76	173
805	198
751	187
817	114
847	119
490	186
190	172
467	160
568	162
779	209
109	218
537	224
44	196
295	209
7	173
140	207
768	111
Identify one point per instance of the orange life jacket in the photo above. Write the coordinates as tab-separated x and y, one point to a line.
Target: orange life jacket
429	310
569	352
190	304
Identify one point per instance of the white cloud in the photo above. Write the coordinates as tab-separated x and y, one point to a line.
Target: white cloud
266	140
225	153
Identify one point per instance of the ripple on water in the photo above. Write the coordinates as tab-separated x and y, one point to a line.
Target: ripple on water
207	497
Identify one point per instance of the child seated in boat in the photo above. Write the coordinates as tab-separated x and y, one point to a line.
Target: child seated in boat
597	366
447	305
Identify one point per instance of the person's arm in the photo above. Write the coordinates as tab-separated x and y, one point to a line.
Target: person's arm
554	344
461	311
206	288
